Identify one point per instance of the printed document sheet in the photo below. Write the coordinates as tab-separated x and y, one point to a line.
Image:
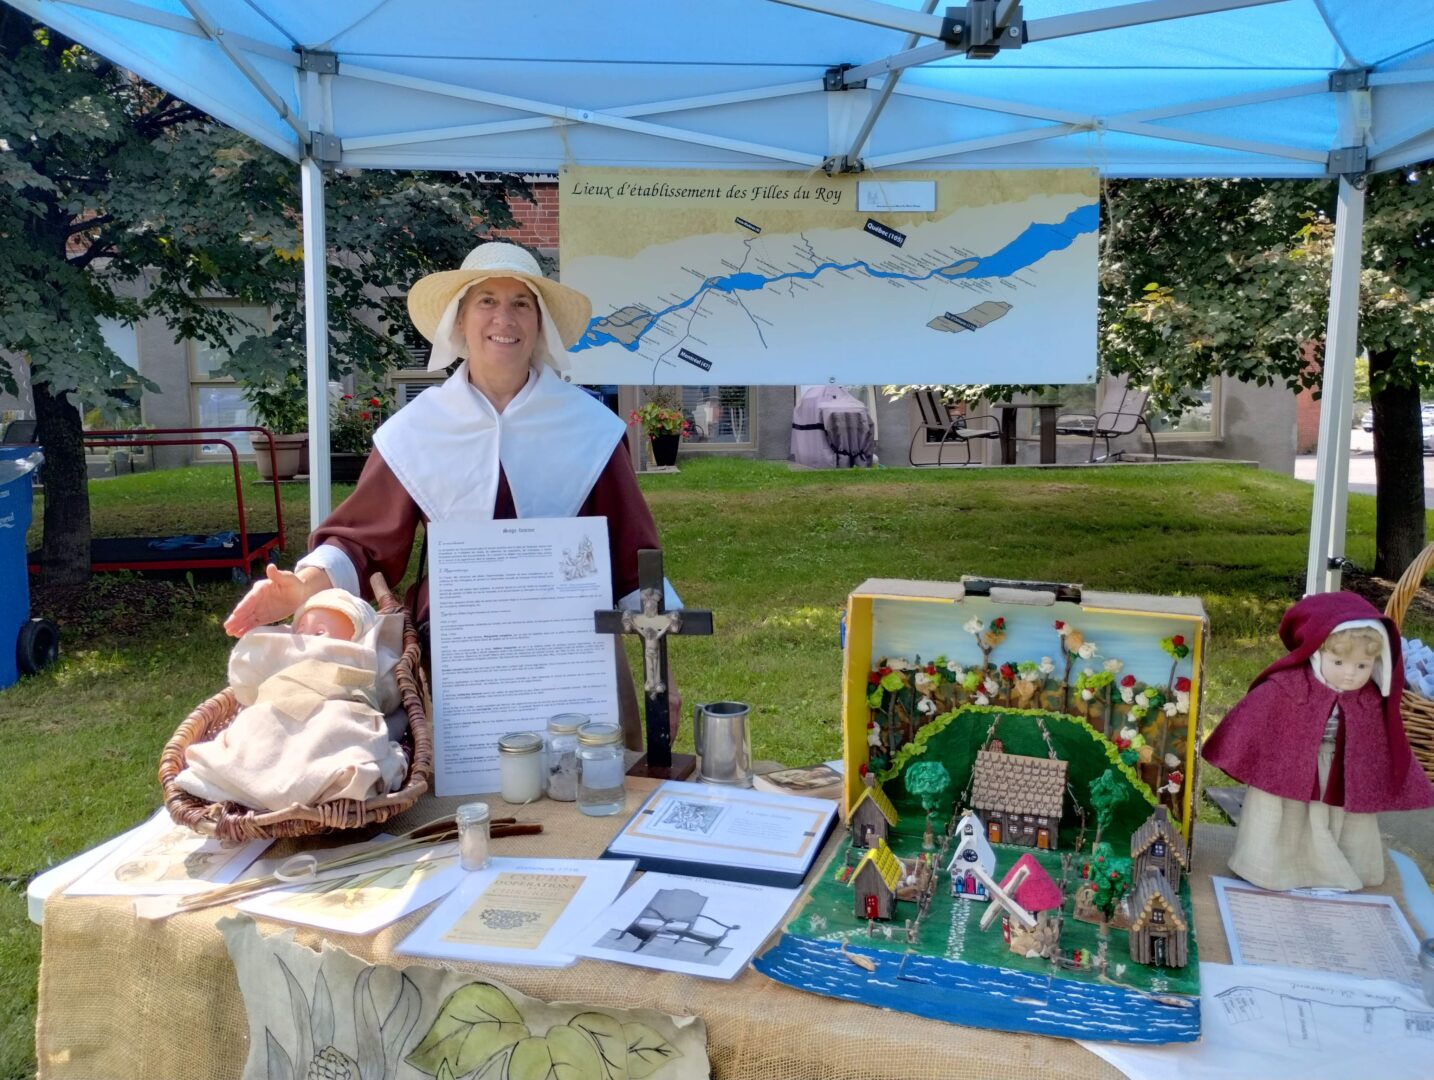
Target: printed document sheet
512	636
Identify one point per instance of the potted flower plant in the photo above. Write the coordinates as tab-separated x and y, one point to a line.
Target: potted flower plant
663	424
352	422
282	407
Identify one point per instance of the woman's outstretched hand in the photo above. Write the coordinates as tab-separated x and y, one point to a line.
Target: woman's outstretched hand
273	598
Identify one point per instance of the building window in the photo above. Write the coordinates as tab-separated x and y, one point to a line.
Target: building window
1157	849
1201	420
720	416
1157	916
216	400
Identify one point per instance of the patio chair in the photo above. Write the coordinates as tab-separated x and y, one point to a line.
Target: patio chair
961	429
675	913
1127	414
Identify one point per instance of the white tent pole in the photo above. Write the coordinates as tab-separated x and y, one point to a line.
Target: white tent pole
1331	489
316	336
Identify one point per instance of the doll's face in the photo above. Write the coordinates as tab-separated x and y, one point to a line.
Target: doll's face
324	622
1348	672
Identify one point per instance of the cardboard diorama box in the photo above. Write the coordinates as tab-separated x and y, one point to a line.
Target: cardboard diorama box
984	675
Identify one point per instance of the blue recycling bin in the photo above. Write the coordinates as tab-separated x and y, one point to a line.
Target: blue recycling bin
25	644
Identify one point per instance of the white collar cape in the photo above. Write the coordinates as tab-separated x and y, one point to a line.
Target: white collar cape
553	441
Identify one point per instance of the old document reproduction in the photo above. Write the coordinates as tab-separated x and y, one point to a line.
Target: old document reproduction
512	636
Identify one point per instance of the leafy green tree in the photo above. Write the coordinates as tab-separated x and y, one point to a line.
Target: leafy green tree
118	201
1231	277
928	781
1107	791
1111	878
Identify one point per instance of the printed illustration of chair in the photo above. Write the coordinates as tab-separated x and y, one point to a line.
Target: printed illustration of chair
1127	415
935	420
675	913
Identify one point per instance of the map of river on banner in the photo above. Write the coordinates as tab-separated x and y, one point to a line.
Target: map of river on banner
772	278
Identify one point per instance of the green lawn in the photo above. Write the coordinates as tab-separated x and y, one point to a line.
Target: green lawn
772	552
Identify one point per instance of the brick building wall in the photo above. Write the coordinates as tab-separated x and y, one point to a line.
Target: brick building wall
537	221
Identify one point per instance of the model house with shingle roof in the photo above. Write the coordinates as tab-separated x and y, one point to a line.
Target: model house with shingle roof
874	882
1156	845
1159	931
872	817
1019	798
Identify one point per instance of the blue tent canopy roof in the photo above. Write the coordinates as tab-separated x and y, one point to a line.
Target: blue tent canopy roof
739	83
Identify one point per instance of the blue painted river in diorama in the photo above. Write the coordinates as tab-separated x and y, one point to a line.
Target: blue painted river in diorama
979	996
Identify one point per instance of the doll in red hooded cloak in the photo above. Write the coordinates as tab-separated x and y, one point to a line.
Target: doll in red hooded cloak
1320	743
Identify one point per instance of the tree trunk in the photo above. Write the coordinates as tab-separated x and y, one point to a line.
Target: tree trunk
1399	467
65	550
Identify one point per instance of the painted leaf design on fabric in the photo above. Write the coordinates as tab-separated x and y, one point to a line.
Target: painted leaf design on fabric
322	1015
476	1022
399	1024
367	1030
647	1051
607	1037
444	1072
279	1067
563	1054
299	1003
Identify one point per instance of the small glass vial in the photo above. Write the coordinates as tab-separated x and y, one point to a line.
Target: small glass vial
472	821
600	770
520	766
563	755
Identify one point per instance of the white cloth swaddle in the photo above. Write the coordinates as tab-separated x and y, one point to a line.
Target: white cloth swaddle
312	725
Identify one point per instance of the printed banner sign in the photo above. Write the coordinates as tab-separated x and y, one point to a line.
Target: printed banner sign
774	278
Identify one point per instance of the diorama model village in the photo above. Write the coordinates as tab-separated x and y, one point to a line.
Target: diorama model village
1025	817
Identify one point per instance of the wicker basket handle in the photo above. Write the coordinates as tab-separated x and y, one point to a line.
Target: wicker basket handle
387	602
1409	584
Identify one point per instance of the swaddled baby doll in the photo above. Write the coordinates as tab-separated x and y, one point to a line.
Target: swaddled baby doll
312	725
1320	741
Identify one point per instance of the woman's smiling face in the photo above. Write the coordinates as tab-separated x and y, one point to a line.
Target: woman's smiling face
500	322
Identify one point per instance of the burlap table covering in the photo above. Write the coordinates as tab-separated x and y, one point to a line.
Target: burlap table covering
120	999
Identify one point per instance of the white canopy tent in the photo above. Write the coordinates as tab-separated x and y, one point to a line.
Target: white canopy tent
1158	88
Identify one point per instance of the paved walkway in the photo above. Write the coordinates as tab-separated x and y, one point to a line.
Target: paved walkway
1361	467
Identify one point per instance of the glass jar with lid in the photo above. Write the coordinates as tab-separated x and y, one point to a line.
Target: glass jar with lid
520	766
563	755
600	770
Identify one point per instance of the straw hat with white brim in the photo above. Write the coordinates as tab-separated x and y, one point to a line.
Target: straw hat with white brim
433	304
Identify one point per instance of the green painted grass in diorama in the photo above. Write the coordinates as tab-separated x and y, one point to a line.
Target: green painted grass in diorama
951	930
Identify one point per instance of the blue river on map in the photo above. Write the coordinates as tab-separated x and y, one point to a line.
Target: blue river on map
1035	242
980	996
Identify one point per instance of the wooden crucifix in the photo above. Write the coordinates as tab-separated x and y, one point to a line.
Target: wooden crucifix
653	625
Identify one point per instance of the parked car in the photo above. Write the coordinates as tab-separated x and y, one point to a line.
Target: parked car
1368	422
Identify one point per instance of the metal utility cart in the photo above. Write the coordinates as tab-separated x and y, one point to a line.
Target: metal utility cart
237	551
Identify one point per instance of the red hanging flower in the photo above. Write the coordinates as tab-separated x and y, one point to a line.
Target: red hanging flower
364	416
931	669
999	623
863	770
1129	680
1060	625
873	678
1178	640
1008	672
1182	685
883	671
374	402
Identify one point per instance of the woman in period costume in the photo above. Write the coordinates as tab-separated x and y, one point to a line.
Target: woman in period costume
1320	743
504	437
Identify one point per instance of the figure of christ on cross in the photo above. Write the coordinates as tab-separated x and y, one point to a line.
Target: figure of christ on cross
653	625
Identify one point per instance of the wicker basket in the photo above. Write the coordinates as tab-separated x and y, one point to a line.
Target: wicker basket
229	821
1417	710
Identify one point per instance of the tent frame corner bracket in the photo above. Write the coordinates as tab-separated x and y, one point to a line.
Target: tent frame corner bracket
324	63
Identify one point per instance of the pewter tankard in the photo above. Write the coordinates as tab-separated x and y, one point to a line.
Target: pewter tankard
724	743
